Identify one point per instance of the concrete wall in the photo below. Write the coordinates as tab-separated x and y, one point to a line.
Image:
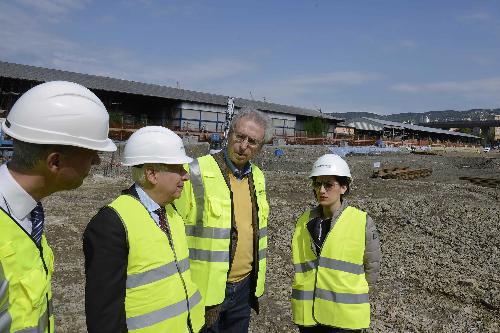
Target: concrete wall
284	124
197	117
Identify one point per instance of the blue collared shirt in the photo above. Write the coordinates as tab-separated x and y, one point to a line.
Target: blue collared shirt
150	205
236	172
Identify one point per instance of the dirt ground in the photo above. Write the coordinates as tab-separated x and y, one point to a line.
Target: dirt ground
440	239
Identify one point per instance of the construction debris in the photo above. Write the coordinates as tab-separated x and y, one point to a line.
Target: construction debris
401	173
423	152
440	241
483	181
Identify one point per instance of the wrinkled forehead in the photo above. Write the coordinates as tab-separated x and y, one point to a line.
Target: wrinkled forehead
249	127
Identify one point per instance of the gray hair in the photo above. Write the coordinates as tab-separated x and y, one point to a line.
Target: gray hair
258	117
27	155
138	175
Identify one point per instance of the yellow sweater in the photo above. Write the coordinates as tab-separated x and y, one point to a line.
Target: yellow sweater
242	202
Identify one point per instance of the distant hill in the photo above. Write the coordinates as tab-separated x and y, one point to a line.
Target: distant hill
430	116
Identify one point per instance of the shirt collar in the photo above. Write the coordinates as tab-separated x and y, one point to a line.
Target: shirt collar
19	202
146	200
236	172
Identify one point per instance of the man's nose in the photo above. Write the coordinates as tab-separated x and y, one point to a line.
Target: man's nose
184	175
244	144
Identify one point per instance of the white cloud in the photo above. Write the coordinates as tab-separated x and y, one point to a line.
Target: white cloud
54	7
210	69
405	87
334	78
474	17
27	39
308	91
482	85
408	44
489	85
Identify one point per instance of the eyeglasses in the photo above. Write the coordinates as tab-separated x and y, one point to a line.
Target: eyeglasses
240	138
327	185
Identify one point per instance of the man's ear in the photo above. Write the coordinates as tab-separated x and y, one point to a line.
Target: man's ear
150	175
53	162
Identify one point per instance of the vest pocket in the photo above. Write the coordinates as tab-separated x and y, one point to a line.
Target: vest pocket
214	207
34	284
6	250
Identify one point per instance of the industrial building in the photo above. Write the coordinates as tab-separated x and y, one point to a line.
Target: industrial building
132	105
408	133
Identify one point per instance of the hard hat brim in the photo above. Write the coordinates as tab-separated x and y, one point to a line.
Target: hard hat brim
139	160
37	136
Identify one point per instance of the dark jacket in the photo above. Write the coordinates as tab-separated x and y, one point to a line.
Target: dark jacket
106	254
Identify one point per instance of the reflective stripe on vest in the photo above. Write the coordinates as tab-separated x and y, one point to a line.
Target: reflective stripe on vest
162	272
32	311
160	294
170	311
332	289
329	296
198	190
209	234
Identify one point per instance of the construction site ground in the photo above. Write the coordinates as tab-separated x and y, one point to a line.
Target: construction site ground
440	238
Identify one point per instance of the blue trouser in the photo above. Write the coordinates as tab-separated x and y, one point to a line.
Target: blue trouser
235	309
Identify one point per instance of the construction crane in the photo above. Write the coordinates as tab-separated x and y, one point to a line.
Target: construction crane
229	118
216	142
5	144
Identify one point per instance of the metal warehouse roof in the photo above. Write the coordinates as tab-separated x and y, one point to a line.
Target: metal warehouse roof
419	128
41	74
365	125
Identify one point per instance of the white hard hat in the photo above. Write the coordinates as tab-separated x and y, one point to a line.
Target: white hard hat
61	113
154	144
330	165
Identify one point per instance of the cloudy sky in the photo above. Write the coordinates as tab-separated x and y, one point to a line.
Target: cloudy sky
376	56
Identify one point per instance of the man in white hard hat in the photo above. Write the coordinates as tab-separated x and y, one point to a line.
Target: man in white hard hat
226	211
58	128
137	268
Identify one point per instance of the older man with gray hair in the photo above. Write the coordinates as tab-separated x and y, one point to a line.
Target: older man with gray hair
136	255
225	209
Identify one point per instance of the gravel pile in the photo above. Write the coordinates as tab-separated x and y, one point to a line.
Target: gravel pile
440	239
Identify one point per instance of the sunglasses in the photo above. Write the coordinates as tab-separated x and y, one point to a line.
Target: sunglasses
326	185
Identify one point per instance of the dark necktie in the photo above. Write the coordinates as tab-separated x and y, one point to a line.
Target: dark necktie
37	223
162	219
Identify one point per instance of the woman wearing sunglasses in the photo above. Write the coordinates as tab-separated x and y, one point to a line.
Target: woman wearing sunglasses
336	256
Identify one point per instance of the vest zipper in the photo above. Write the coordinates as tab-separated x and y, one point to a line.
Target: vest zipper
256	239
231	234
318	255
171	243
40	249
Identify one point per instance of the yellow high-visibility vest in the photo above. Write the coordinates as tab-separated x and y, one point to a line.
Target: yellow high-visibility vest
160	294
331	289
206	206
25	277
